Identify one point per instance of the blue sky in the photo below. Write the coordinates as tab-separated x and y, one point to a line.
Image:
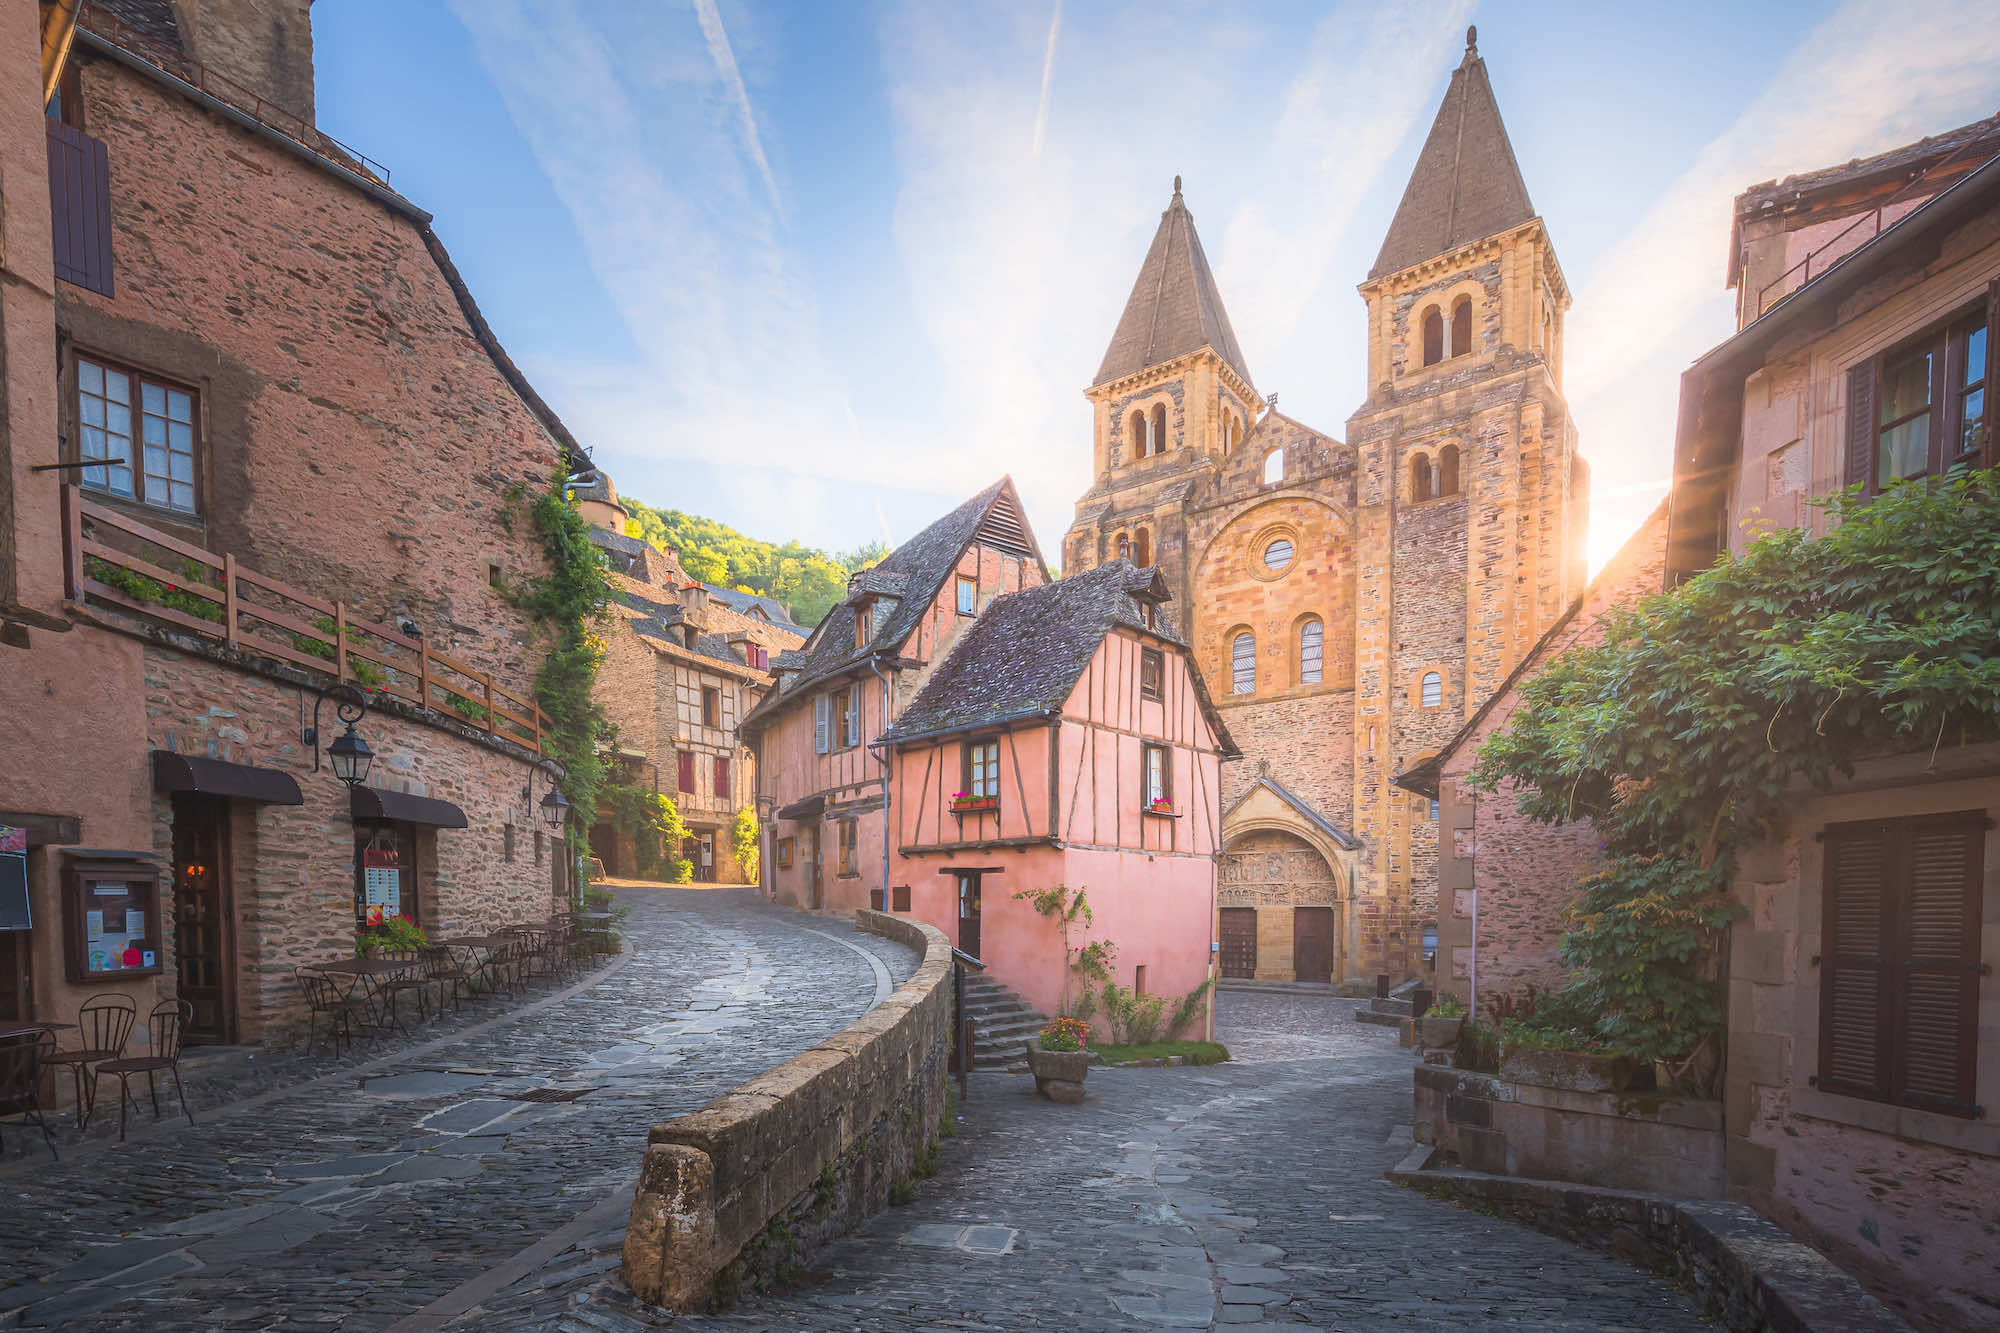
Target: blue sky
819	270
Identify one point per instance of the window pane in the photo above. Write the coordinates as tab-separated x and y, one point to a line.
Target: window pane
155	429
1433	689
1906	387
118	419
1906	450
1975	356
117	387
1311	648
153	398
1972	413
1243	664
181	496
90	377
92	410
1278	554
180	407
120	482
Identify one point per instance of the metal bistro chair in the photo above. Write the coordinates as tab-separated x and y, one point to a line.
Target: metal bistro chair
411	980
336	1003
448	972
21	1059
562	948
104	1025
168	1025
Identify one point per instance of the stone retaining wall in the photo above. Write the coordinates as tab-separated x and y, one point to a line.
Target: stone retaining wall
1746	1273
745	1190
1625	1140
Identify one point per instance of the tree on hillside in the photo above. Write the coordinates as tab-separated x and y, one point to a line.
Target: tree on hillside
807	580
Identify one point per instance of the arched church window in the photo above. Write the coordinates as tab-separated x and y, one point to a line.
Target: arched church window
1431	691
1136	428
1461	326
1420	478
1448	470
1274	467
1228	432
1243	663
1142	549
1312	636
1433	336
1159	433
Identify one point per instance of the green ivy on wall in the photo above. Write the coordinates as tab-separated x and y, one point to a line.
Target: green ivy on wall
654	824
743	841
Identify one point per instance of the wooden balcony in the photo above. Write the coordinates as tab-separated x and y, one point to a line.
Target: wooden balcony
112	559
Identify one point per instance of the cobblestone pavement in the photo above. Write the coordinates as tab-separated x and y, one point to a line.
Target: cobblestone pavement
1240	1195
351	1205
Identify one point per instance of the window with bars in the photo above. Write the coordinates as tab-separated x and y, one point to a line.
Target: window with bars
982	768
1243	663
1899	963
144	430
1920	409
1152	672
1312	647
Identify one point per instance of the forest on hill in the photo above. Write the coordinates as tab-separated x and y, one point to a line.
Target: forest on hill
808	580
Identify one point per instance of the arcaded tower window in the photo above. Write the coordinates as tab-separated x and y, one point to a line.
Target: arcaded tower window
1243	663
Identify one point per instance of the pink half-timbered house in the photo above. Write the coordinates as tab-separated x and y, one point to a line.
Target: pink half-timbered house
1066	739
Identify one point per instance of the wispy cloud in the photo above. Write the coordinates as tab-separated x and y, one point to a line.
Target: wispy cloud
1869	78
724	55
1048	78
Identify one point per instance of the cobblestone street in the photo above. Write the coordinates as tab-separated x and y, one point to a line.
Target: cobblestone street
351	1204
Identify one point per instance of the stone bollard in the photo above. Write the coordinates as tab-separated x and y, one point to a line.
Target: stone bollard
670	1257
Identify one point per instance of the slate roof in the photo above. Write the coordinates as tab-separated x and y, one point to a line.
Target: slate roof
1174	308
1466	184
1024	654
773	609
612	541
923	562
153	19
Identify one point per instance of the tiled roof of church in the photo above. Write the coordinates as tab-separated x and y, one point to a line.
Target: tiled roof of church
1174	308
1466	184
1023	656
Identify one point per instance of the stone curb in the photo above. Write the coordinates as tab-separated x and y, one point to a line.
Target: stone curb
1747	1273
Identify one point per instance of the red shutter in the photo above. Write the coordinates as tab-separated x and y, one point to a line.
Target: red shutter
80	207
721	779
1860	425
1853	994
686	783
1939	1018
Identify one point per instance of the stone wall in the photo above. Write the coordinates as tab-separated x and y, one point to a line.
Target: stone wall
747	1189
1638	1140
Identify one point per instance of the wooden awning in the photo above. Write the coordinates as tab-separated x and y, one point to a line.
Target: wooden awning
403	808
809	808
216	777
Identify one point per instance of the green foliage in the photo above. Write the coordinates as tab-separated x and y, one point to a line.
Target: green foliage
1133	1020
1478	1048
654	825
929	1158
141	588
1523	1034
743	841
1193	1052
1187	1009
476	713
394	932
1679	734
948	1121
1089	962
808	581
902	1190
1065	1034
566	602
1446	1006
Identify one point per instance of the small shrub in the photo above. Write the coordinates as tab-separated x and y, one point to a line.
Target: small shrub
902	1191
1446	1006
1521	1034
1187	1009
1478	1048
928	1159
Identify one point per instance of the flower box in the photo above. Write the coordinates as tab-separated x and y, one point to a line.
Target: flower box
975	805
1165	809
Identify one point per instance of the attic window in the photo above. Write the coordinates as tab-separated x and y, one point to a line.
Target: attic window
968	595
1152	671
864	622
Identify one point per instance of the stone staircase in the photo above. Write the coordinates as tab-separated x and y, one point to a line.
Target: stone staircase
1002	1023
1390	1011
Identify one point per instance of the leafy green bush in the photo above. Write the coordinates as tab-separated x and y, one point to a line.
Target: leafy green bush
743	841
141	588
809	581
1446	1006
1520	1034
654	824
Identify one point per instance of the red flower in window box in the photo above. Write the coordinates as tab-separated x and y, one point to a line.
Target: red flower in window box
1160	805
962	803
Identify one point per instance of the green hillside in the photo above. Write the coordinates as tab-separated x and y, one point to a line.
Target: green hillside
808	580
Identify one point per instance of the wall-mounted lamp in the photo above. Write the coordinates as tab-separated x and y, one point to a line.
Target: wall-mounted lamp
555	806
349	754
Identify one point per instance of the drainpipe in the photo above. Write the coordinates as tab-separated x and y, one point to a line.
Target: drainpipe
1472	957
888	772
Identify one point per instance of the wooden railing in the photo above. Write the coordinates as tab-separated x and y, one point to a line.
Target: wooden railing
112	558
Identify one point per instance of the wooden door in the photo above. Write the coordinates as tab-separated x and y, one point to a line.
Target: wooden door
17	991
1239	942
968	911
1312	944
204	937
813	868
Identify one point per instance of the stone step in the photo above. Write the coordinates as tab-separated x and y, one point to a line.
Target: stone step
1378	1019
1399	1008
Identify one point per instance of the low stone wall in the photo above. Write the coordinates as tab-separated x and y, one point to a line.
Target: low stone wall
746	1190
1746	1273
1624	1140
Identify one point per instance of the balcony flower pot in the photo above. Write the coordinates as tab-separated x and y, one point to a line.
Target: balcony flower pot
975	805
1572	1071
1059	1075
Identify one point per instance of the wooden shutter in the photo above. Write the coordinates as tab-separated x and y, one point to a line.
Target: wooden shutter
821	711
1860	425
80	207
721	778
685	778
1938	1016
1854	1007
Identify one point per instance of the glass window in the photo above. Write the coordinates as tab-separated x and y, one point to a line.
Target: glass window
982	768
158	468
1152	670
1158	776
849	861
1432	689
1278	554
385	872
1972	391
1274	467
968	595
1904	447
1243	663
1312	637
711	706
850	717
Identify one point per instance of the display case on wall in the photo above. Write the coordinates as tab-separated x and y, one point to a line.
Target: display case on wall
111	919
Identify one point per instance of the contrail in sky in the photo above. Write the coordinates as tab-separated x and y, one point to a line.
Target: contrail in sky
724	56
1048	71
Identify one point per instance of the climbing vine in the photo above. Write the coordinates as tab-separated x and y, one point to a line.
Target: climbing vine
654	824
1679	733
743	841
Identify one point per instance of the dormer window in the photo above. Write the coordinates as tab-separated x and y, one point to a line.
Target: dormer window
864	622
968	595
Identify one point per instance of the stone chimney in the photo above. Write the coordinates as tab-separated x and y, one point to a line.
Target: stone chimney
265	45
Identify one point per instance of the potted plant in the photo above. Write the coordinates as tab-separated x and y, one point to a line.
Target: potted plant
388	932
966	803
1061	1060
1159	805
1441	1023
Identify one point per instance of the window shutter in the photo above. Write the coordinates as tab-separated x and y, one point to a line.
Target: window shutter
1940	964
820	713
1853	999
685	778
721	779
1860	425
80	207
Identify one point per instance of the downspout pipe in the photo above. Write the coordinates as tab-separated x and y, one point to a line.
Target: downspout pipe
888	773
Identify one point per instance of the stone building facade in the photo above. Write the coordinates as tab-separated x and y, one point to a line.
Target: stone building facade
1351	602
682	666
258	441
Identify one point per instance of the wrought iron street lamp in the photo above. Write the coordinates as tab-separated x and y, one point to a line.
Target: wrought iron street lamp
555	807
349	754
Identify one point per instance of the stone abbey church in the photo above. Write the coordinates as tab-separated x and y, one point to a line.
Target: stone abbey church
1351	601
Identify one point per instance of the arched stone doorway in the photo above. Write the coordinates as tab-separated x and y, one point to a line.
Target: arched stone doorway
1282	909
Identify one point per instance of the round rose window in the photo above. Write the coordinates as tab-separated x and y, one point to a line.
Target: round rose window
1278	554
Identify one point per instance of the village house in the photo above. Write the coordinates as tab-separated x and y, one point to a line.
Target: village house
1863	1027
1351	603
1067	738
822	790
260	453
684	662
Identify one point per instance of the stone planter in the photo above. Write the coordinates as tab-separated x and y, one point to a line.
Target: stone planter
1059	1075
1437	1034
1572	1071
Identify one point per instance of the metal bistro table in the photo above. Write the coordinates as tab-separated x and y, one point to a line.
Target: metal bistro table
597	926
492	966
23	1029
375	974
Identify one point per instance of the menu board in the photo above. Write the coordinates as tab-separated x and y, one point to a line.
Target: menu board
112	921
14	909
381	881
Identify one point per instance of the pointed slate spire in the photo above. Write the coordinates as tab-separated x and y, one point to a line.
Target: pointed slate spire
1174	308
1466	184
